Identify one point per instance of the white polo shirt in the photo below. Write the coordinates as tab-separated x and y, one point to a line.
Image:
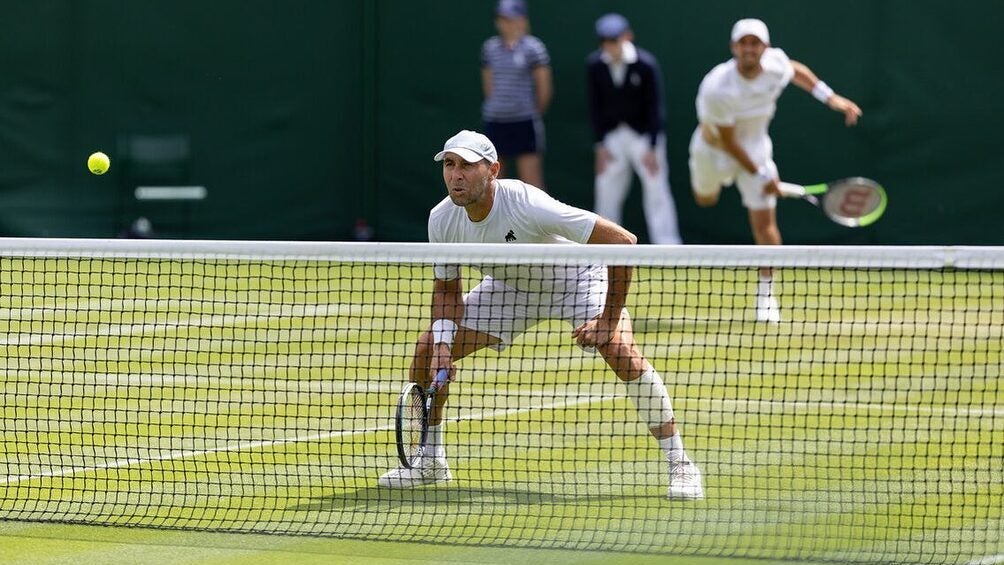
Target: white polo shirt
726	98
520	214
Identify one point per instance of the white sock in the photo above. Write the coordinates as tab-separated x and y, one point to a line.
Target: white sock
765	287
435	445
672	446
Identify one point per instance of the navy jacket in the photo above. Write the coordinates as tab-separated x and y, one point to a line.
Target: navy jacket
637	102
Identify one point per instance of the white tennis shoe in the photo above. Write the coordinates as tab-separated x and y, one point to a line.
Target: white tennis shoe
767	309
684	481
428	471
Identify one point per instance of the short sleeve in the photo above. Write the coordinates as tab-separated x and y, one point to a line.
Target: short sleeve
555	217
485	53
776	62
538	55
714	109
442	271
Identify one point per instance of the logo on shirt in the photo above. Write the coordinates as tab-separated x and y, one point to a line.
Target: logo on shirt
510	237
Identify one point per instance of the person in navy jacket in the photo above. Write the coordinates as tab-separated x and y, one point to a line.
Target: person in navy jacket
624	86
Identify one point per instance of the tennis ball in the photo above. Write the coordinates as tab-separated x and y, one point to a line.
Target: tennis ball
98	163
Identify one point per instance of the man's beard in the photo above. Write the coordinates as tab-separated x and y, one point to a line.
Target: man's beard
471	195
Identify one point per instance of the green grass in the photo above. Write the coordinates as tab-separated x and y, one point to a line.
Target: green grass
201	399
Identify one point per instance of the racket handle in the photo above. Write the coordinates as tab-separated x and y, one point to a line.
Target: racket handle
791	190
442	376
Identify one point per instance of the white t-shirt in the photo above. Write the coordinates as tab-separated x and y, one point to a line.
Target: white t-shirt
520	214
726	98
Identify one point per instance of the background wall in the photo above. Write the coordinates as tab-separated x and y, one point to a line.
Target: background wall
303	116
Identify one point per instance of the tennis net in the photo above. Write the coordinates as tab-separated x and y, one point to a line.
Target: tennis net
251	387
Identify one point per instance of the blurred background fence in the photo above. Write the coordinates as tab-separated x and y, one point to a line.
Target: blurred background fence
299	118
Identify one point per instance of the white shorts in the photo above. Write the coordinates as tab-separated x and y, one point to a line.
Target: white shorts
494	308
711	169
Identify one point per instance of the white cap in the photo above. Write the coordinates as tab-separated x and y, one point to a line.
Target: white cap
750	26
471	146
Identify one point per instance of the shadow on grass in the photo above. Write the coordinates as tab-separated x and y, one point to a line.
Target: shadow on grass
377	497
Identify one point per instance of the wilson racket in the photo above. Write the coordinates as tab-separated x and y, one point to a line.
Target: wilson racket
853	202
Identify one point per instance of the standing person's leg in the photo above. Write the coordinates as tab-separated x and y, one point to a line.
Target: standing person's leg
497	133
530	162
762	210
614	180
657	199
530	169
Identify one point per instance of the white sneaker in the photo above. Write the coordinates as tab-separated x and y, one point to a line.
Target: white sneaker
428	471
767	309
684	481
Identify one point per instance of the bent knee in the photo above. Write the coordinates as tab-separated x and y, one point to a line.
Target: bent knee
625	359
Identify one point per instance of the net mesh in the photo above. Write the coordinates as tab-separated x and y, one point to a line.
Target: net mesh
251	387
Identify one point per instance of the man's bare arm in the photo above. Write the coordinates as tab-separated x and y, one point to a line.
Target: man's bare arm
807	80
543	87
619	276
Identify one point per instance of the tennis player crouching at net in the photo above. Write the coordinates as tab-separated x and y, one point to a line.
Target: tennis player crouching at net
511	299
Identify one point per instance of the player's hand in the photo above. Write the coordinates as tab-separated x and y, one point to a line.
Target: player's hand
848	108
602	158
441	359
596	332
772	188
651	162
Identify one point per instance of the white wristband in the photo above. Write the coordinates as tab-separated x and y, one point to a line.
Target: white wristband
443	331
763	173
822	91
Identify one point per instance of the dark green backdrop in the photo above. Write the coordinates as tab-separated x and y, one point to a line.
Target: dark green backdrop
304	115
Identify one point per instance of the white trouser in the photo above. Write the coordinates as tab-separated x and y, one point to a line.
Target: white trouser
627	149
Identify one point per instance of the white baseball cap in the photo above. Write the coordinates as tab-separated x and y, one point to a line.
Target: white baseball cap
750	26
471	146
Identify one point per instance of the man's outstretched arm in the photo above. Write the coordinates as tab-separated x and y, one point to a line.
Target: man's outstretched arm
807	80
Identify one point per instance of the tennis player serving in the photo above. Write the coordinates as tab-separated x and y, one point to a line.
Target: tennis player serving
511	299
735	105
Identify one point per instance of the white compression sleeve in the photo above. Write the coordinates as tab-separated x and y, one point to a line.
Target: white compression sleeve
650	398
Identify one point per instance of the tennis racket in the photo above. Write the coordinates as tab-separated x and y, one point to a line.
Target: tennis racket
853	202
414	410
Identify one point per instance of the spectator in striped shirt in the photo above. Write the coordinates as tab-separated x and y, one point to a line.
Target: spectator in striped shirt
517	84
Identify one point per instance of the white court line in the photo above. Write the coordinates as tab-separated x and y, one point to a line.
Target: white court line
323	309
988	560
836	407
378	385
184	454
198	320
15	479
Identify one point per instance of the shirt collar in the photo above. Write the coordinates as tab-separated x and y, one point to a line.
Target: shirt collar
629	54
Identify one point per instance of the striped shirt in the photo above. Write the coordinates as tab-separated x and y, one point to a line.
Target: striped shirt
512	98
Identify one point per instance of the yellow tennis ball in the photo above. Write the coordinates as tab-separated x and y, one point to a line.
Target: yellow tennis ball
98	163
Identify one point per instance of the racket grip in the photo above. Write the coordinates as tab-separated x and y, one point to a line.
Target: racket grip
791	190
442	376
